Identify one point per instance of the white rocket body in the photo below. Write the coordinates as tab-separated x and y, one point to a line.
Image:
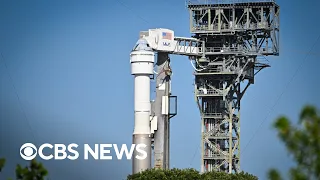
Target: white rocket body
142	60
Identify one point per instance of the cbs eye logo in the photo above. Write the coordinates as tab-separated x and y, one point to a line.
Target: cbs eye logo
28	151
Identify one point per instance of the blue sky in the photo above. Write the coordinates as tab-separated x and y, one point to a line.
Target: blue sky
68	61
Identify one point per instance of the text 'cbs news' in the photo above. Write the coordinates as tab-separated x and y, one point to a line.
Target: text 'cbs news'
29	151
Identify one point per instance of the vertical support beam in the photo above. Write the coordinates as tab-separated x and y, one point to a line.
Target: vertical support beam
167	123
161	136
167	120
202	146
230	135
219	20
248	17
233	18
239	96
262	20
278	27
191	20
209	19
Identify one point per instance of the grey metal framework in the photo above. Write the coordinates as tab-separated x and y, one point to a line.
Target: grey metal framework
233	38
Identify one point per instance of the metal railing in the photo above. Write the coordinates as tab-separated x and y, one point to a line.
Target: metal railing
209	92
205	2
224	49
228	27
239	50
212	114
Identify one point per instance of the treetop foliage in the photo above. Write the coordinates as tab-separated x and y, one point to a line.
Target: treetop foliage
35	171
188	174
303	144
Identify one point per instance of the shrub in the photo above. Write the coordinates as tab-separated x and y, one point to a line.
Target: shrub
188	174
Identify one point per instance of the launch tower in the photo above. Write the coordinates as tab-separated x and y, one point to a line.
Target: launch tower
237	35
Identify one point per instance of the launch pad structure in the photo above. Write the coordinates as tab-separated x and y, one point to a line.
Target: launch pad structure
228	47
235	36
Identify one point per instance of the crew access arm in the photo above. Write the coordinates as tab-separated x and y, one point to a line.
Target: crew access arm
163	40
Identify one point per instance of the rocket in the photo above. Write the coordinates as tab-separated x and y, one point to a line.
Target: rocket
142	60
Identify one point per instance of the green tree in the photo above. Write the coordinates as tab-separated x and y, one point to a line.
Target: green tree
2	163
188	174
35	171
303	144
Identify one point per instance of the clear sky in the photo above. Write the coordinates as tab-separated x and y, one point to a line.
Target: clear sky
68	61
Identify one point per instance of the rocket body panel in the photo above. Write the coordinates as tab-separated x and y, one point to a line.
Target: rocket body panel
141	165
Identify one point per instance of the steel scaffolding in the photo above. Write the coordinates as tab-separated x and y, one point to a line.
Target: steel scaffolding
236	35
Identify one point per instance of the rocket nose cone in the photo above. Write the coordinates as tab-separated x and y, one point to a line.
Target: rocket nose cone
142	44
142	41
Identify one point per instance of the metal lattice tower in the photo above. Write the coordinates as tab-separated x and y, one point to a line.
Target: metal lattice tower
237	36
